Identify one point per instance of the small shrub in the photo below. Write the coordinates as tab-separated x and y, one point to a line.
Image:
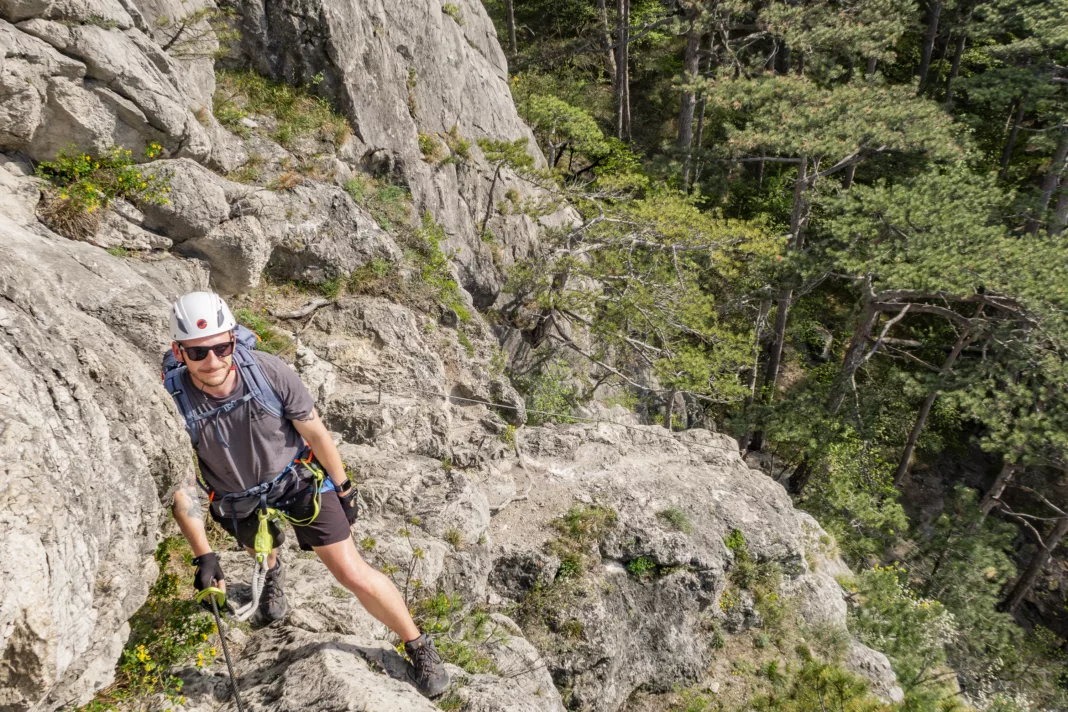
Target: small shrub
331	288
451	703
413	105
453	11
550	393
84	184
338	592
508	435
642	568
572	628
676	519
169	630
286	181
458	144
118	251
570	566
735	542
389	205
203	115
431	148
469	347
454	538
368	543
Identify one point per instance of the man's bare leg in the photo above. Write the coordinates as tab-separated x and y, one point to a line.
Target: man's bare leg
373	589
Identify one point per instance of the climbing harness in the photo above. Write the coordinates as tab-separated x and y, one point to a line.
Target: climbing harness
263	544
218	598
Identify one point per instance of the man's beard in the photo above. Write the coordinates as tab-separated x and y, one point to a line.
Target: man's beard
214	378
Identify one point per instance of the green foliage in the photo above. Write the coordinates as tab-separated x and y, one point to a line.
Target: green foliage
676	519
431	148
389	205
454	12
170	629
455	538
851	493
912	631
87	183
460	634
819	685
550	392
434	271
269	340
560	125
642	567
298	113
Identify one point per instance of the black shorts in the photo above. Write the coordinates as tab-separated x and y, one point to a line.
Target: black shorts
330	527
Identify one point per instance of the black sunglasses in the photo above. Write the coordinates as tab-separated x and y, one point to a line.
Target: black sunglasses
199	353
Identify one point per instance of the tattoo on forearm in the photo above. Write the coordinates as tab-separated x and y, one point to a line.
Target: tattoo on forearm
190	507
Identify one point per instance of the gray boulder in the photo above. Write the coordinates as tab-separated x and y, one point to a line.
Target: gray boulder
86	457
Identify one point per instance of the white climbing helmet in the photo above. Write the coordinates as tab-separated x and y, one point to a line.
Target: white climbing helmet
200	314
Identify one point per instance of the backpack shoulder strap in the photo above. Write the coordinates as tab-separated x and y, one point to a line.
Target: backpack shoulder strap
259	386
172	381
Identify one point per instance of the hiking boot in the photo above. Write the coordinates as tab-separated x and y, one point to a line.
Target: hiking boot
426	670
273	604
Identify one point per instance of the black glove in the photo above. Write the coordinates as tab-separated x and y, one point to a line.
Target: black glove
350	502
209	572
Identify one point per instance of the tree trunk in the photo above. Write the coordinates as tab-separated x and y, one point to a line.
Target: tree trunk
509	7
1026	581
851	173
623	70
925	409
751	385
854	356
698	140
990	499
606	39
669	409
690	61
1049	181
1060	213
934	11
1010	143
872	64
690	69
954	69
785	297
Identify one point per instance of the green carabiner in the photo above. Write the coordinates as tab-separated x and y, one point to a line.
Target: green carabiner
218	593
264	542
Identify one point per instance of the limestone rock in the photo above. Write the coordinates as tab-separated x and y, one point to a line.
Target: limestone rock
85	457
326	235
428	75
198	200
655	625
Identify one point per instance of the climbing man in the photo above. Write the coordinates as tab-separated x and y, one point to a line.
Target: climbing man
259	440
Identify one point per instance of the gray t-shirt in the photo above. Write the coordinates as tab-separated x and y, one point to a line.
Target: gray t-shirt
249	445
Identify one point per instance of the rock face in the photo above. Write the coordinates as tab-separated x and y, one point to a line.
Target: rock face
87	452
401	71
